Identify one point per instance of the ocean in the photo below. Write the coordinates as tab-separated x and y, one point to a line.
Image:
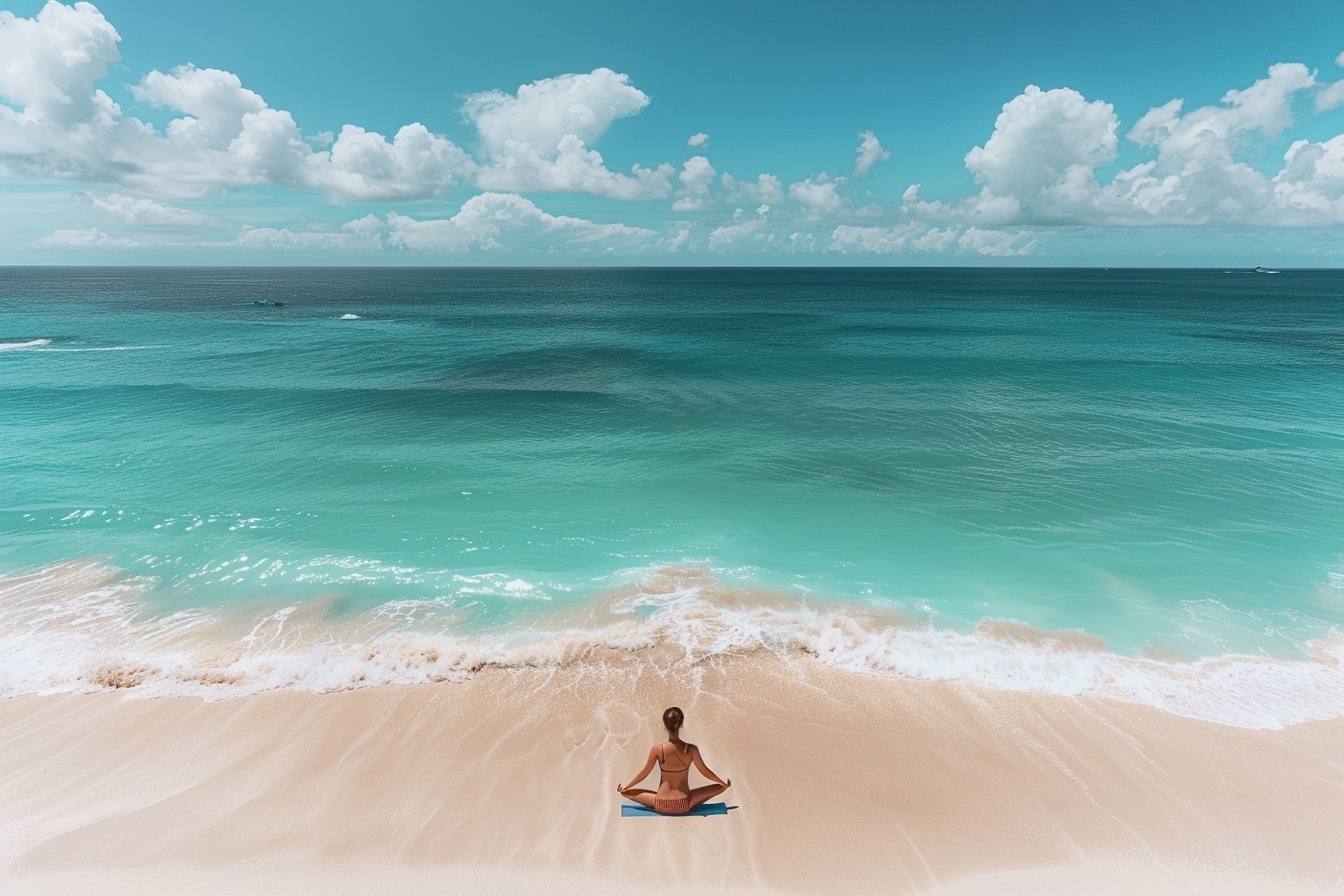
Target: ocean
1124	483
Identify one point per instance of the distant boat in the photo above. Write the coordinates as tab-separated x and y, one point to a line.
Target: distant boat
1259	270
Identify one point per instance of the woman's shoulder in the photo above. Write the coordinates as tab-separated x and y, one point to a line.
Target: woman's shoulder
668	747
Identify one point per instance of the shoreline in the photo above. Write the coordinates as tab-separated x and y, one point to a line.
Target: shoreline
84	626
841	782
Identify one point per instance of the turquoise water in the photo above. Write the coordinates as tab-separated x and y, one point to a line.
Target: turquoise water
1153	457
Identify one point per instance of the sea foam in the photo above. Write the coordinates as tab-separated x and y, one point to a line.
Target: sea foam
83	626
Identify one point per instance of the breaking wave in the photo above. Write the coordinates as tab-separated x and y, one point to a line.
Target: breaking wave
84	626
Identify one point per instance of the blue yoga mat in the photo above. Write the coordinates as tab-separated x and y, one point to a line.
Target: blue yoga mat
628	811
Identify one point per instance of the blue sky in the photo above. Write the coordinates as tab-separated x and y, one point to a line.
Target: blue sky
531	133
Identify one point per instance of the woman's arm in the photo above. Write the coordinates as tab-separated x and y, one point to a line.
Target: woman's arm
643	773
704	769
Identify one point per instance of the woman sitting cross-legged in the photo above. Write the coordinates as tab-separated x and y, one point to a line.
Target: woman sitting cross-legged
674	796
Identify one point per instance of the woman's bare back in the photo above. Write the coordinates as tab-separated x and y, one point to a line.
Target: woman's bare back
675	782
674	758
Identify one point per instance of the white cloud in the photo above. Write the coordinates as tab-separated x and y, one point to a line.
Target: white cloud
1196	177
908	237
698	139
539	137
674	243
766	189
226	135
571	167
870	152
818	197
998	243
93	238
696	177
1311	184
742	229
284	239
1039	161
489	220
361	234
544	112
1330	96
51	62
1265	106
934	240
363	166
214	102
146	212
1040	164
60	126
802	241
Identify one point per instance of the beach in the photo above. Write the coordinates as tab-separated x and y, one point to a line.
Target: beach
841	783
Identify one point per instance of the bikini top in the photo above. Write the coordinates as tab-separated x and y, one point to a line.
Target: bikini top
662	760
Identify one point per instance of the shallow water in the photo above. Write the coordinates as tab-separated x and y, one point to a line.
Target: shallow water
1155	458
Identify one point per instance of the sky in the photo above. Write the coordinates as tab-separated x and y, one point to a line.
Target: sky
427	132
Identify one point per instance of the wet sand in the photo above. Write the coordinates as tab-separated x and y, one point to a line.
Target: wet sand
842	783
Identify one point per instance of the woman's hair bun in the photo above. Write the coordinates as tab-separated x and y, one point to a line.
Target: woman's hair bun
672	719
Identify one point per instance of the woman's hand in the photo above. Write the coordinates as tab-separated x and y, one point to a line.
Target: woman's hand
620	788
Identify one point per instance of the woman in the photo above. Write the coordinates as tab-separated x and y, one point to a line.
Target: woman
675	796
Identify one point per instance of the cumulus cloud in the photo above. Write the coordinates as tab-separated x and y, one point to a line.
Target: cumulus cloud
494	221
697	176
1040	160
698	139
1330	96
677	241
817	196
766	189
51	62
742	228
1197	177
1265	106
363	166
1040	163
545	112
870	152
998	243
539	137
1311	185
228	136
57	124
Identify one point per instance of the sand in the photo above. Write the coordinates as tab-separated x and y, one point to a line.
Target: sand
505	783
